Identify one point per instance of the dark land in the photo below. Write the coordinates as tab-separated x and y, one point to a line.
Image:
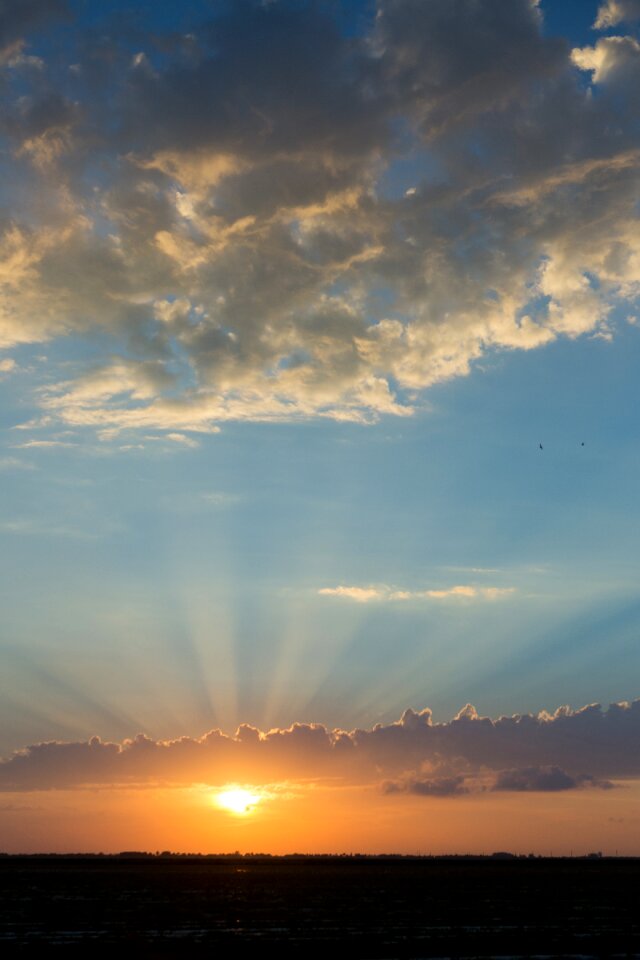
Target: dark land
374	907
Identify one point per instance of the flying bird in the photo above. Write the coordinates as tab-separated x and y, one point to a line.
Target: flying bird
541	447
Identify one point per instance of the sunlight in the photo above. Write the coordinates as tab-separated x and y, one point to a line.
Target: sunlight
237	801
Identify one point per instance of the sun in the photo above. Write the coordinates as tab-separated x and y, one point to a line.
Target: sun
237	801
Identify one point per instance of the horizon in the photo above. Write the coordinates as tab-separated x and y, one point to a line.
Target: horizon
344	855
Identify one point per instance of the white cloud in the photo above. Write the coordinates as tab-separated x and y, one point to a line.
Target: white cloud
359	594
609	56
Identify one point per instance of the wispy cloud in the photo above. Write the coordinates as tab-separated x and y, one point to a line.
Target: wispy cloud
381	593
175	438
14	463
220	498
359	594
43	444
30	527
612	12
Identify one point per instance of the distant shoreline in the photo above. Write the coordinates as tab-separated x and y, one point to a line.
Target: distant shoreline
329	857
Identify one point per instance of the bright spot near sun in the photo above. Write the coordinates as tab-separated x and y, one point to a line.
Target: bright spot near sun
238	801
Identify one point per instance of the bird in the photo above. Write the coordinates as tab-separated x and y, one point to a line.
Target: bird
541	447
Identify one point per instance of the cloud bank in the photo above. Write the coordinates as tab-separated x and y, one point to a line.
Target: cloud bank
269	216
568	749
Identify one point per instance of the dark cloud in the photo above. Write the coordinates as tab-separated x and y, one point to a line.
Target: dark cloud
545	779
17	17
527	752
273	79
451	59
432	787
541	779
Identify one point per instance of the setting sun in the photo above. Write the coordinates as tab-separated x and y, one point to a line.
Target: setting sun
237	801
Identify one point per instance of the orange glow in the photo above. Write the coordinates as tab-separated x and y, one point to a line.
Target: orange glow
319	818
237	801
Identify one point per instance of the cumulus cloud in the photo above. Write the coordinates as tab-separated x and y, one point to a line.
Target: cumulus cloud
225	207
611	58
384	593
564	750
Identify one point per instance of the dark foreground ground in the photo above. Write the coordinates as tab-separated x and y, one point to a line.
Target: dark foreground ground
376	908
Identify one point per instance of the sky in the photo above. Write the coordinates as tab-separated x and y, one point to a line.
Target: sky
319	451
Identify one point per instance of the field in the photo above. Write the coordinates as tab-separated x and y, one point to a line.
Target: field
308	907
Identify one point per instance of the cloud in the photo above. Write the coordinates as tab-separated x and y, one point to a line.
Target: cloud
484	593
612	58
545	779
434	787
359	594
383	593
542	779
36	528
519	753
14	463
17	16
225	208
219	498
43	444
454	59
179	438
613	12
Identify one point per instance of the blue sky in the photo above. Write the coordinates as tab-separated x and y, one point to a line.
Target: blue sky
280	341
113	558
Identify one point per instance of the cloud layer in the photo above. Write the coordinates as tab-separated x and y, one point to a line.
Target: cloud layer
546	752
269	216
